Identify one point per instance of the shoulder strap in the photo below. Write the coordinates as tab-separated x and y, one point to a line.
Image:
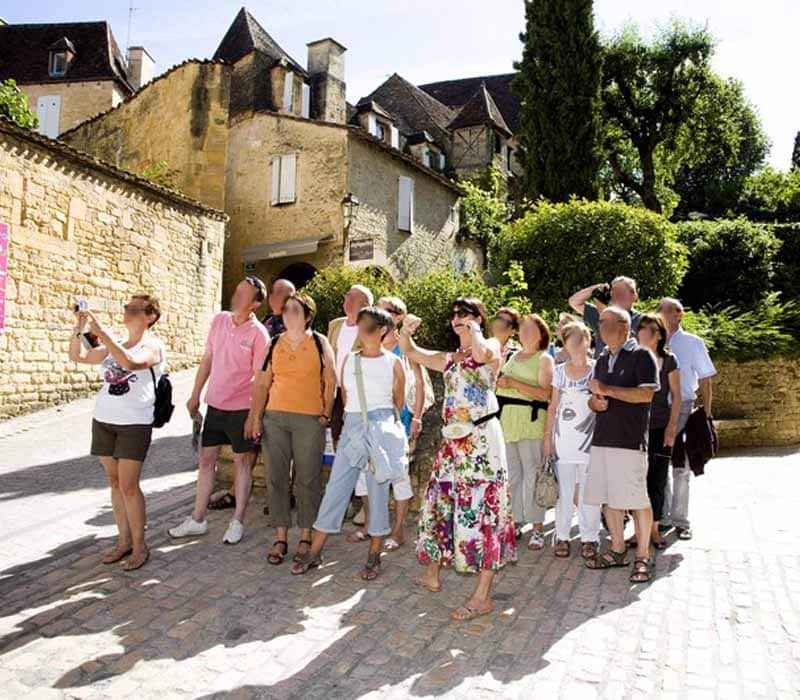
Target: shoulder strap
362	394
268	358
318	342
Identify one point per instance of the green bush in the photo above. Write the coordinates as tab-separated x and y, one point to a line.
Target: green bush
787	261
771	195
430	297
14	105
731	262
565	247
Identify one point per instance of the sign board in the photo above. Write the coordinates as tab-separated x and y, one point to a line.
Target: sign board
4	239
362	250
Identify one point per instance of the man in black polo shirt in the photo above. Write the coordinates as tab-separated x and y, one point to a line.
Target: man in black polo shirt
625	379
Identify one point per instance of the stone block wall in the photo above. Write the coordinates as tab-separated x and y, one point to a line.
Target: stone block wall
181	117
79	101
757	403
80	228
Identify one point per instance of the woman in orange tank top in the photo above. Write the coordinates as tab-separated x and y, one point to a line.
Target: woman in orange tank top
296	386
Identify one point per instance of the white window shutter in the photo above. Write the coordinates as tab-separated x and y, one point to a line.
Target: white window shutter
288	91
395	134
306	108
288	178
442	161
405	210
275	196
372	124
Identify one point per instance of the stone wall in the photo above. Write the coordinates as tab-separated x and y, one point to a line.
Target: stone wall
320	186
79	101
373	177
181	117
81	228
757	404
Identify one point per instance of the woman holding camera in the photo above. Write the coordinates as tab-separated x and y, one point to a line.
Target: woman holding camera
123	415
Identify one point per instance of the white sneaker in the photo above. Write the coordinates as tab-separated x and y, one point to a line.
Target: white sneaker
233	534
189	528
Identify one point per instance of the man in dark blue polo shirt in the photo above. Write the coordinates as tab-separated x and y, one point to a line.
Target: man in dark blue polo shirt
625	379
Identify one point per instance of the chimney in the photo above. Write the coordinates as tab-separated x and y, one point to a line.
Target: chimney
141	66
326	74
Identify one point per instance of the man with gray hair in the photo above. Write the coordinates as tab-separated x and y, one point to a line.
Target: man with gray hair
621	292
697	371
625	379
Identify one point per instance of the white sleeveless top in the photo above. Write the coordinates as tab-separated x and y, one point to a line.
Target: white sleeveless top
128	397
378	381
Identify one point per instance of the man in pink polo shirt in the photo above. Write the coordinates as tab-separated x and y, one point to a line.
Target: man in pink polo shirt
235	349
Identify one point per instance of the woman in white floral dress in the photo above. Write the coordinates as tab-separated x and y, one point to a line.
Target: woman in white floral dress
466	519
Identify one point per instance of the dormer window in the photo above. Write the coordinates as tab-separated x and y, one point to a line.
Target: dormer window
61	54
380	131
58	64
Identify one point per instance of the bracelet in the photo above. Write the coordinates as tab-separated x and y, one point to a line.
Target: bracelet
416	420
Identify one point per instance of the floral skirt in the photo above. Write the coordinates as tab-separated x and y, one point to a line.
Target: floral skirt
466	517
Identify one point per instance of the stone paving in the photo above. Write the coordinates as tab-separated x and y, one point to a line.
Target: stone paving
721	619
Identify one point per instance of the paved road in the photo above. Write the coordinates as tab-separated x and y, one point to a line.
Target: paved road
721	620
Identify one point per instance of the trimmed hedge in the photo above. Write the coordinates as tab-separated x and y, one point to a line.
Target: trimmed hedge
731	262
567	246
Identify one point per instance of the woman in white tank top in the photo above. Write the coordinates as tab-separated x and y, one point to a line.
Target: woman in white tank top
123	417
384	393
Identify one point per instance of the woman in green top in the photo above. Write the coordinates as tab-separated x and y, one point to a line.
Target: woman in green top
527	375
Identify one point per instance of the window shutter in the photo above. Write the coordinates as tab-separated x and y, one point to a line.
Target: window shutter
442	161
372	124
275	196
426	157
395	135
288	91
306	108
288	178
405	211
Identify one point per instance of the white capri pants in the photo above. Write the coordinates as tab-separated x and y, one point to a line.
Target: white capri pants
401	487
588	516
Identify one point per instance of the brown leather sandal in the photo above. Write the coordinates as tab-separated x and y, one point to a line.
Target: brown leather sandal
298	555
608	560
276	559
372	568
642	571
561	549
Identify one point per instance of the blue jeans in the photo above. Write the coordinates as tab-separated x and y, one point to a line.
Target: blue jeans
344	475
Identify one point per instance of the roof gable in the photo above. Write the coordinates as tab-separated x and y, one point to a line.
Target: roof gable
25	51
456	93
245	35
413	109
480	109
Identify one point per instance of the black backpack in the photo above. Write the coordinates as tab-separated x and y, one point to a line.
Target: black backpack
317	341
162	411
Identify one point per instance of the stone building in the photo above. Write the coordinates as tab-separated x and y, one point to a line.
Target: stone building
70	71
276	145
81	228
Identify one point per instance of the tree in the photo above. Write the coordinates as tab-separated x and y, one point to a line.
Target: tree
649	93
796	151
559	85
719	146
771	195
14	105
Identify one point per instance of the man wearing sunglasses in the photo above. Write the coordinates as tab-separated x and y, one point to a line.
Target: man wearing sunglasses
235	349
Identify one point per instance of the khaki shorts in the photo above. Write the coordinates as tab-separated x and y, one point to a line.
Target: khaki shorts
121	441
617	478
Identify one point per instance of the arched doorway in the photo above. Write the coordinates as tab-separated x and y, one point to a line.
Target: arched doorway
299	274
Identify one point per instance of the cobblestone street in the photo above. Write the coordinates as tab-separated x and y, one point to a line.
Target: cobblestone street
721	619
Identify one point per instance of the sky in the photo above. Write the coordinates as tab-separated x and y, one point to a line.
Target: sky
431	40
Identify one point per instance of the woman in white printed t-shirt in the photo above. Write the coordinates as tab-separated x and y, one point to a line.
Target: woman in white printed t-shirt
568	438
123	415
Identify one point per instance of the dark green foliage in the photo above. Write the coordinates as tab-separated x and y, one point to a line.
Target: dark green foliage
787	262
565	247
771	195
796	151
559	83
14	105
721	144
731	262
650	91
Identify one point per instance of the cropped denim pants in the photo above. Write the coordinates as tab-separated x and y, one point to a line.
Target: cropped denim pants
351	458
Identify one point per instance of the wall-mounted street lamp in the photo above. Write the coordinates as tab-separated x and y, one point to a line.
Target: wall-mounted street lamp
350	206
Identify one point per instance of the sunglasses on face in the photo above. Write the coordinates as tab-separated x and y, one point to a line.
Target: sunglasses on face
133	309
460	313
503	320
